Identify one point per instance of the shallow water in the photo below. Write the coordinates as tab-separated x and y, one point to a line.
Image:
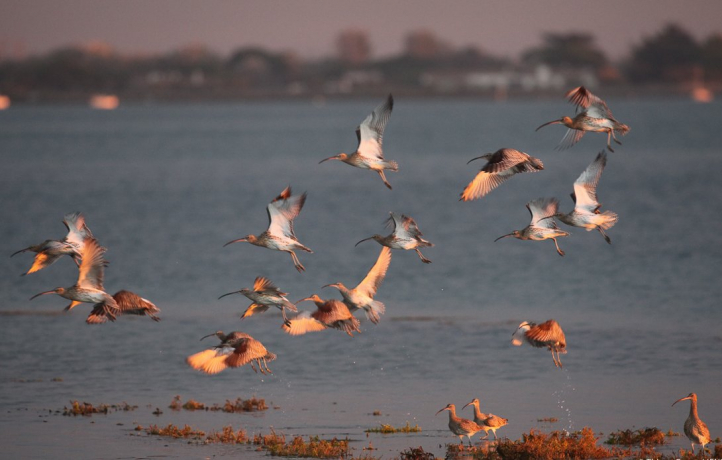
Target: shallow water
165	187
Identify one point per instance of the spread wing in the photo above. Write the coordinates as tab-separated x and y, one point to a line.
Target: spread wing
42	260
540	209
262	284
92	268
371	131
376	275
584	99
585	187
546	333
570	138
410	227
281	212
209	361
245	351
78	231
393	222
482	184
303	323
335	311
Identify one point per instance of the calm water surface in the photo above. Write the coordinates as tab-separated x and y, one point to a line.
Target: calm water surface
165	187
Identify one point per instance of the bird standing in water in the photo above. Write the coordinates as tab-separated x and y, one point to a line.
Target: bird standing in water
369	153
236	349
596	117
586	212
329	313
488	422
548	334
362	296
501	165
405	235
49	251
264	295
695	429
460	426
279	235
542	226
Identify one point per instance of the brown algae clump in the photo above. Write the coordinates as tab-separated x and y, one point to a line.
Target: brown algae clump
645	436
388	429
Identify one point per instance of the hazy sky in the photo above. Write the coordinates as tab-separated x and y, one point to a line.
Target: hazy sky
309	27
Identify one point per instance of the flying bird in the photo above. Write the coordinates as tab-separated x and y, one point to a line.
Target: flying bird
264	295
89	287
405	235
236	349
542	226
548	334
695	429
279	235
329	313
369	154
500	166
129	303
595	117
586	212
362	296
49	251
460	426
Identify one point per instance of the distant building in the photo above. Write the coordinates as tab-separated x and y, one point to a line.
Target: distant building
423	44
353	46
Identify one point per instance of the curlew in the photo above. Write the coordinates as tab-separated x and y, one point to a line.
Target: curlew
369	153
264	295
586	212
279	235
49	251
695	429
488	422
329	313
405	235
129	303
548	334
89	287
362	296
542	226
460	426
236	349
500	166
595	117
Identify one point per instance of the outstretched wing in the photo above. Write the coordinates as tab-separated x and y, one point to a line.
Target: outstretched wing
376	275
547	333
245	351
540	209
570	138
303	323
393	222
585	187
410	227
281	212
262	284
78	231
584	99
92	268
371	131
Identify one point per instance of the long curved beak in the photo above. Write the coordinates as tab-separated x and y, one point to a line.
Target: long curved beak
467	405
553	122
365	239
442	410
335	157
209	335
234	292
239	240
681	399
330	285
503	236
43	293
474	159
302	300
18	252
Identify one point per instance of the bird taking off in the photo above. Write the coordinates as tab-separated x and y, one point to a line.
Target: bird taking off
548	334
695	429
460	426
264	295
542	226
595	117
501	165
49	251
586	213
369	153
279	235
362	296
236	349
129	303
329	313
406	235
89	287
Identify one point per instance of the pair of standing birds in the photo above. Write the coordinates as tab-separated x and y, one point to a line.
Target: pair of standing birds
80	244
482	422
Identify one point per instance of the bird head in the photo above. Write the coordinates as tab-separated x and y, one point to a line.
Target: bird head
691	396
376	237
314	298
517	338
562	121
246	239
338	286
449	407
515	234
474	402
486	156
341	156
57	290
242	291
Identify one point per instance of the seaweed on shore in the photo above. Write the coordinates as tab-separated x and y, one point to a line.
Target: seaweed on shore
388	429
87	409
644	437
239	405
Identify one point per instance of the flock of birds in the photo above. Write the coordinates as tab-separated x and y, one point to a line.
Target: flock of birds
237	348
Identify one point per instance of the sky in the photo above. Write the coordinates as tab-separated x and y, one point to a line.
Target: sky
309	27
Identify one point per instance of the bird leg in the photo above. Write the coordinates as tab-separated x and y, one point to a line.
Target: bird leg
606	238
296	262
383	178
421	256
266	364
254	369
561	253
609	140
615	138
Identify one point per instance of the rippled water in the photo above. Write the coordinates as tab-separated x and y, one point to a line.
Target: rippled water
165	187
